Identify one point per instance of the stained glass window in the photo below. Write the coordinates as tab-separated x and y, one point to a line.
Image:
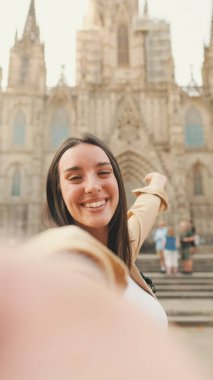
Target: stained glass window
198	183
123	46
19	129
24	69
16	183
194	134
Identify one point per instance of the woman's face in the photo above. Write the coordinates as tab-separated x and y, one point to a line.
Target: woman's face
89	187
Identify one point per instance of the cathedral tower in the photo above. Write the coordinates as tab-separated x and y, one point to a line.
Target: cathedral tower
27	70
110	51
119	47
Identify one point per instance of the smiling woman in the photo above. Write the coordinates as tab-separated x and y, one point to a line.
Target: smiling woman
85	188
84	171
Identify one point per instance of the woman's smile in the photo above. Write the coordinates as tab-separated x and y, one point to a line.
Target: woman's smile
95	204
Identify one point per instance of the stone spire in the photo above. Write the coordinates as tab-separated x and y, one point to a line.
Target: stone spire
193	88
16	36
192	78
131	4
146	10
62	80
95	13
31	30
27	71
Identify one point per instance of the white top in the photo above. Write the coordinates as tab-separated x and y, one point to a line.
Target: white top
147	304
160	233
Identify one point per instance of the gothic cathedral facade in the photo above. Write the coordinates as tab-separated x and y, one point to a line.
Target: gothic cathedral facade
125	93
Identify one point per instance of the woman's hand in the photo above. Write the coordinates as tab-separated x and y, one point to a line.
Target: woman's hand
156	179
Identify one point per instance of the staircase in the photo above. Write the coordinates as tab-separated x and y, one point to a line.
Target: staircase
187	298
195	286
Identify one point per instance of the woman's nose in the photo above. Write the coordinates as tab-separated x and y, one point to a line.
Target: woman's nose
92	185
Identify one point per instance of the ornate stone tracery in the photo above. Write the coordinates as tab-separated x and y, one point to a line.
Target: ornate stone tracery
128	123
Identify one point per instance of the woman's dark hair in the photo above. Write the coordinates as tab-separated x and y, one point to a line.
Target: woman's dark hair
57	212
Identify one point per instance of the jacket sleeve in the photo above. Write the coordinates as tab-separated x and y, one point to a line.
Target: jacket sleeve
75	241
149	204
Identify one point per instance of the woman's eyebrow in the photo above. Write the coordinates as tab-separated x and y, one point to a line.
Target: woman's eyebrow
73	168
76	168
104	164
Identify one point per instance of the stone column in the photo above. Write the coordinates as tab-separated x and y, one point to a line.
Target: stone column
182	207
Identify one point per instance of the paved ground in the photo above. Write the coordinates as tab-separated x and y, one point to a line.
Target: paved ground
199	342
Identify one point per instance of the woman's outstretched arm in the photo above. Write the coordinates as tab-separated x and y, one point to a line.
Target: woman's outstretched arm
151	201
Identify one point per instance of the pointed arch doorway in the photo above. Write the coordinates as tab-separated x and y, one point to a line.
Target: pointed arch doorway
134	168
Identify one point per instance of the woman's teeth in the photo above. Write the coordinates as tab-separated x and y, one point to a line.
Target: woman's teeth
95	204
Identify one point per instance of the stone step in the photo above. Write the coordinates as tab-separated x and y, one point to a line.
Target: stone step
198	282
186	307
202	262
183	288
184	294
191	320
151	267
204	249
189	312
187	299
197	285
195	275
182	278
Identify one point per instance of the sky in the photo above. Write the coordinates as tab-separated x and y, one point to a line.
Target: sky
58	20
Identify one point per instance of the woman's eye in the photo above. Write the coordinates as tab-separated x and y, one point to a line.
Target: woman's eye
104	172
74	178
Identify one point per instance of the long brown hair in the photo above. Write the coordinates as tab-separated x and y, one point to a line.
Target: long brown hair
57	212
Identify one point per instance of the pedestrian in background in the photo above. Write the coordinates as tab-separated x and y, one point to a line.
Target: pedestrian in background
159	239
171	251
186	239
192	232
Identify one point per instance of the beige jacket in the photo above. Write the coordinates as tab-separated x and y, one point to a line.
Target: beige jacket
71	239
150	202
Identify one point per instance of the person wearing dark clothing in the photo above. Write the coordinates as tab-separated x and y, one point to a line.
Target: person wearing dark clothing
186	239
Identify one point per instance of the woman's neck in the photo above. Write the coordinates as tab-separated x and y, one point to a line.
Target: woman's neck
102	236
99	234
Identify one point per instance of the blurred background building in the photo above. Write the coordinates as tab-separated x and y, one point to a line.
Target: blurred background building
126	94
